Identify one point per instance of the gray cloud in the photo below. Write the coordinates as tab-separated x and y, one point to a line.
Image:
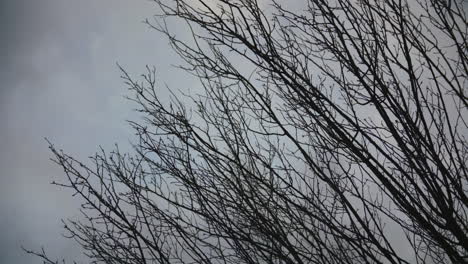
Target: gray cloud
60	80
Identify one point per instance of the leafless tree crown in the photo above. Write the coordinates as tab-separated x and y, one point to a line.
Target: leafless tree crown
326	132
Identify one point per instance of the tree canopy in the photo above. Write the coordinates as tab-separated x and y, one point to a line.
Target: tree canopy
327	131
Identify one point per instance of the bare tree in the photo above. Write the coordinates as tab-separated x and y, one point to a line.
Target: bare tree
327	132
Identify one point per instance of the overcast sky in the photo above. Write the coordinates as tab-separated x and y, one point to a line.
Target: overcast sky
59	80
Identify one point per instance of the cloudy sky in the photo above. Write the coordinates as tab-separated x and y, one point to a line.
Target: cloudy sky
59	80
